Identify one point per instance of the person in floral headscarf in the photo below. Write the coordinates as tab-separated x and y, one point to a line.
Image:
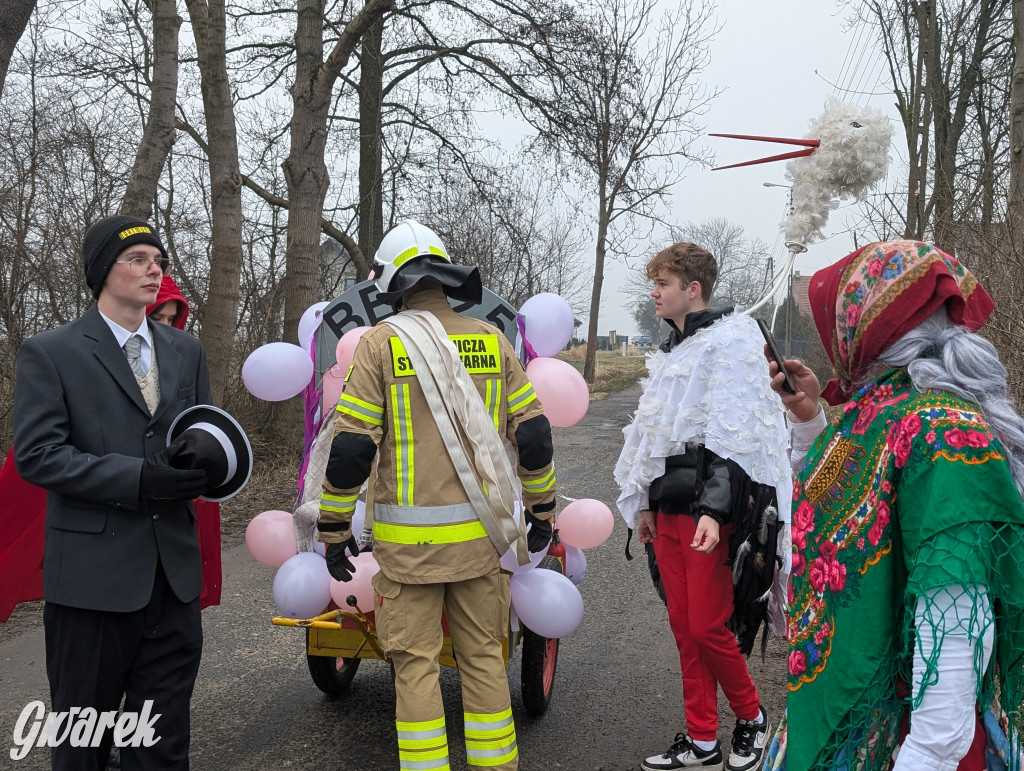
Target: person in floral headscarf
907	592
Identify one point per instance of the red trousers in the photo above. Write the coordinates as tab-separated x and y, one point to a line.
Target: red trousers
698	591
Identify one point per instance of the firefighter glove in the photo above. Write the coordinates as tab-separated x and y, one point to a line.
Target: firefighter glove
338	564
540	533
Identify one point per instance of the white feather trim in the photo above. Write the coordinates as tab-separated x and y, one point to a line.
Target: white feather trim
712	389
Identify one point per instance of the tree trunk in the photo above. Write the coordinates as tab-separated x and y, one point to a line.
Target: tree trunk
590	360
158	135
1015	199
305	171
371	194
13	20
220	313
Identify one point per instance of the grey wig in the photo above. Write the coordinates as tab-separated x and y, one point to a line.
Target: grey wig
940	355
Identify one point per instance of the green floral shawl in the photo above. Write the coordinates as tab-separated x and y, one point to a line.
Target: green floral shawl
908	492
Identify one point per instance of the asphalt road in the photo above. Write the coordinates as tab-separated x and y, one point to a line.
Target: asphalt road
617	695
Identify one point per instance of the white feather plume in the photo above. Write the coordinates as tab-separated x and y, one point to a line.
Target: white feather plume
851	159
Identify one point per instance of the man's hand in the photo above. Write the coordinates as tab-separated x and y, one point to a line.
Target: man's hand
804	403
161	481
646	526
196	448
338	564
707	536
540	533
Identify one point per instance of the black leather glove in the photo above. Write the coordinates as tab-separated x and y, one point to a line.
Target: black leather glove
540	533
338	564
161	481
199	449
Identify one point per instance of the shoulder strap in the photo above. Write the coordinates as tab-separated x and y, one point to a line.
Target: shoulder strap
468	432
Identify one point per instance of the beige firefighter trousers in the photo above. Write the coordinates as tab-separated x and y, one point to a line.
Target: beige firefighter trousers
408	618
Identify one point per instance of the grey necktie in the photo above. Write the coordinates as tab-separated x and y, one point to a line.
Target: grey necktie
133	350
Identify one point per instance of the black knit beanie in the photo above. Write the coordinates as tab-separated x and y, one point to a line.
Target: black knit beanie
108	238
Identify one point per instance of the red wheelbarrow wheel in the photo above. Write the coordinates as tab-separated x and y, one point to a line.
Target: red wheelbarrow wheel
540	657
330	674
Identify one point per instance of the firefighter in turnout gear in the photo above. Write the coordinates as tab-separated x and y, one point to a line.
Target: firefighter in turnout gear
435	397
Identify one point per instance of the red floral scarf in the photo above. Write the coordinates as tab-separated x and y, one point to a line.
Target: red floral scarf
872	297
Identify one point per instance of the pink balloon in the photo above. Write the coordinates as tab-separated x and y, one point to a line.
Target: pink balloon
333	385
585	523
575	564
561	389
270	537
360	585
346	348
547	602
302	586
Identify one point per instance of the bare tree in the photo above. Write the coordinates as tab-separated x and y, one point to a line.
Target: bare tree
743	263
13	20
945	58
158	135
625	113
1015	202
502	221
221	312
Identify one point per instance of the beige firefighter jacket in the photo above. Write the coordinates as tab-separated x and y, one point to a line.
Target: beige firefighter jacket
425	529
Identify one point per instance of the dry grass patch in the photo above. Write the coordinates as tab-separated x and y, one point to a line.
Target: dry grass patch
614	371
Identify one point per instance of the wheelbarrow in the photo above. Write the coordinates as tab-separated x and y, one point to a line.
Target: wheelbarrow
339	639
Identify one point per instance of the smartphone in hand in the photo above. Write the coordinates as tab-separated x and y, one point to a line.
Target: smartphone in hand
788	386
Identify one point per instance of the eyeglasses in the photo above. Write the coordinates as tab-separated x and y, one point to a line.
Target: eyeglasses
140	265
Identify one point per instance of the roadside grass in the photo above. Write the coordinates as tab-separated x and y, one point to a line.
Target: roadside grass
614	371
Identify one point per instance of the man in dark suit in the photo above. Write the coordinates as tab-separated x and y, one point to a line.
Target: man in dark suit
94	401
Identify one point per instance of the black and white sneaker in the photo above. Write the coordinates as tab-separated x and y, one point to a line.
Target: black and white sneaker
749	740
684	754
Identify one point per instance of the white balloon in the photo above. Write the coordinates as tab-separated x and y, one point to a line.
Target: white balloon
302	586
308	323
548	323
277	371
547	603
575	564
510	561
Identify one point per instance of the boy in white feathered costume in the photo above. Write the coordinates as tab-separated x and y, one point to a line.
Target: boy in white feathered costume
707	417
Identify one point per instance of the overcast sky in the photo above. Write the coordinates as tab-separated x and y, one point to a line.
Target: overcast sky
765	58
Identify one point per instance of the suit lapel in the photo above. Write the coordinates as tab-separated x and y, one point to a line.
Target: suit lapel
110	355
169	362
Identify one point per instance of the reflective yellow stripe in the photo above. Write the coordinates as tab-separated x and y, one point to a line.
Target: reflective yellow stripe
404	257
492	400
521	398
439	252
484	725
339	503
407	534
422	744
542	485
490	738
473	759
440	752
357	408
404	460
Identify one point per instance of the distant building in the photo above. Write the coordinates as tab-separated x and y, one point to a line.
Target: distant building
800	287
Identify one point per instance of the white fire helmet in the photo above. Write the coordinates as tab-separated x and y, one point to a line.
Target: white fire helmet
411	252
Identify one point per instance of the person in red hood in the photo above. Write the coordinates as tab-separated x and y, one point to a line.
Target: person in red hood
171	307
